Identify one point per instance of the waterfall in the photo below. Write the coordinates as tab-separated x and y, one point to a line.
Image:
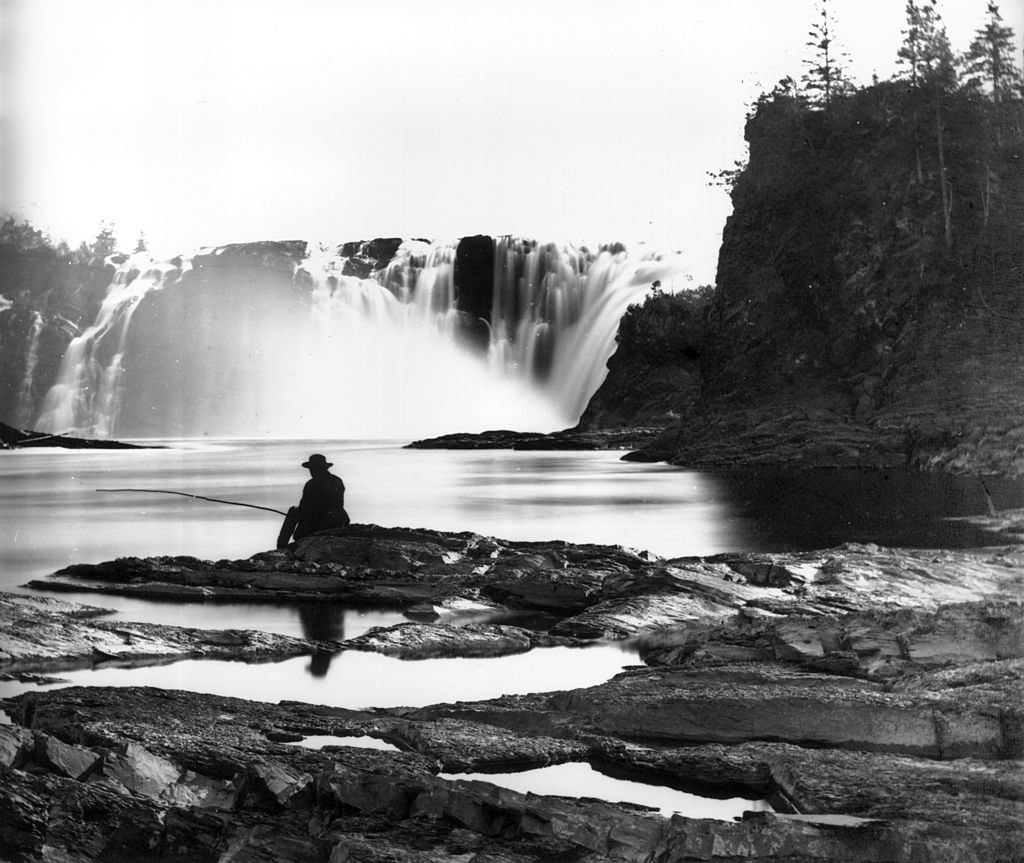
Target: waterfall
23	411
358	341
87	396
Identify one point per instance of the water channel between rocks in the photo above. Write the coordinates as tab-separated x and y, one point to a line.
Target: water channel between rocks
357	679
575	779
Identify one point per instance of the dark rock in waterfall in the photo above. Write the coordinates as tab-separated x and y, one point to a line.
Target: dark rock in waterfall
365	257
474	276
275	255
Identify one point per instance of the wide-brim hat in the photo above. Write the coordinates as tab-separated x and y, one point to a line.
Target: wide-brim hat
317	460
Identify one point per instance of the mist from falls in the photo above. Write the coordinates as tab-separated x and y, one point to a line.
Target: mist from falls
226	346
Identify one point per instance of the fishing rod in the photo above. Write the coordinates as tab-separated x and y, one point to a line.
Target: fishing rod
196	496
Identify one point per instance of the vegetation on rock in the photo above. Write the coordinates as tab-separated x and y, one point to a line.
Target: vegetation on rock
871	271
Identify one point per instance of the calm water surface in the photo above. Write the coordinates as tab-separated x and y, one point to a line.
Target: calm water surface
356	679
577	779
52	515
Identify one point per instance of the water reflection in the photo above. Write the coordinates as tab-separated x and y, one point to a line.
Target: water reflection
319	741
322	621
799	510
357	679
578	779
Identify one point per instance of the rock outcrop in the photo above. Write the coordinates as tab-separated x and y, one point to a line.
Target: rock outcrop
13	438
852	324
873	696
38	632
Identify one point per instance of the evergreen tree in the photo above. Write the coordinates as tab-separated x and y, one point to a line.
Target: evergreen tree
20	234
930	67
925	50
989	59
105	242
825	77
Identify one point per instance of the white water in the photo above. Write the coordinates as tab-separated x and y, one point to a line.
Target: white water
24	409
320	353
87	396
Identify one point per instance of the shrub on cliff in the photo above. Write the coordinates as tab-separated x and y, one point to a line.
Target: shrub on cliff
665	327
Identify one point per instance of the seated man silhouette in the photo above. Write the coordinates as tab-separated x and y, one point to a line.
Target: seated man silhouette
322	504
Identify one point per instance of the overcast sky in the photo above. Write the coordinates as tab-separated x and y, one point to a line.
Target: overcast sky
202	122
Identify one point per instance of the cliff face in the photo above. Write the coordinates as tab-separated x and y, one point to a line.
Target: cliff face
870	295
654	374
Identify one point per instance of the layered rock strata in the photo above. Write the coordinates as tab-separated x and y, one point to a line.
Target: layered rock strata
871	695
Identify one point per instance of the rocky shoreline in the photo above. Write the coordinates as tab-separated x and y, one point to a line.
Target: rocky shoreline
569	439
14	438
873	696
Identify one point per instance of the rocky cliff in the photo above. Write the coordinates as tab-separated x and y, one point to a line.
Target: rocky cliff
654	374
870	293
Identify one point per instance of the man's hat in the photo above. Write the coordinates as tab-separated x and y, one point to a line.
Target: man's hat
317	460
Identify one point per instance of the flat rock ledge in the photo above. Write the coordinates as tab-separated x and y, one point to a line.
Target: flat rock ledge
859	610
142	774
874	696
632	438
38	633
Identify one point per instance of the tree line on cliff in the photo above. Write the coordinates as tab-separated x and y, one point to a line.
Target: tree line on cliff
873	265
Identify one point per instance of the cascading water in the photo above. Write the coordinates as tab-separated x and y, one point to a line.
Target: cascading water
87	397
247	341
23	410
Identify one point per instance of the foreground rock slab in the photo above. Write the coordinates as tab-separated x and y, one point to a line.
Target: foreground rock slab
176	775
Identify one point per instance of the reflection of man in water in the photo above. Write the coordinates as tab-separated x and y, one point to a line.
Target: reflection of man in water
322	505
321	621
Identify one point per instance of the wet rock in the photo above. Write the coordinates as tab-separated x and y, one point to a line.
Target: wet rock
37	632
465	747
302	804
423	641
735	704
366	564
284	784
140	771
16	746
75	762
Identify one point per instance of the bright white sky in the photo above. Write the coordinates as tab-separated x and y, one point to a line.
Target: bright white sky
202	122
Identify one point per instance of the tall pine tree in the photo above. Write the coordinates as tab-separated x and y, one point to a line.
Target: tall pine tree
825	77
925	50
989	60
930	68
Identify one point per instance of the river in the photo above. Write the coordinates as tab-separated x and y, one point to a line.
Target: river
53	513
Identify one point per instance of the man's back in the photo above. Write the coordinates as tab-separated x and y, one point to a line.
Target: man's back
322	504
